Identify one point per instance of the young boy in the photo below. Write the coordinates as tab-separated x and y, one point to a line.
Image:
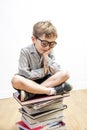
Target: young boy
38	73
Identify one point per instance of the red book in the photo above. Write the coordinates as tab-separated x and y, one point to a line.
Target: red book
22	125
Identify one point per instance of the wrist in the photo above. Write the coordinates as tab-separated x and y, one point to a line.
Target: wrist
45	56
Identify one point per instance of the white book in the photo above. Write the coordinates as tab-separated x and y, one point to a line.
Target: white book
56	126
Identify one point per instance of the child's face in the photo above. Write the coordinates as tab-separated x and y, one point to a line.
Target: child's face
43	44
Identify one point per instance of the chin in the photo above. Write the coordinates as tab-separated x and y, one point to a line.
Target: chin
42	51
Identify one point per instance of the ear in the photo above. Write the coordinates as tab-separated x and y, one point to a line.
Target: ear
33	39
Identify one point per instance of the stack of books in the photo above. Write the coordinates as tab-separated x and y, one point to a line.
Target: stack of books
42	112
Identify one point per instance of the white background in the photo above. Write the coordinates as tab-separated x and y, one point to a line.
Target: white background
16	20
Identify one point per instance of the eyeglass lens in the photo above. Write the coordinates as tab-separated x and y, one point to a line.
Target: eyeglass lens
45	44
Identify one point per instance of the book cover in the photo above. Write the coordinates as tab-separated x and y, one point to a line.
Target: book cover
50	126
56	126
36	123
39	124
23	126
53	105
38	98
54	115
40	114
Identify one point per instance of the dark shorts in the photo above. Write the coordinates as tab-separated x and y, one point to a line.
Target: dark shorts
39	81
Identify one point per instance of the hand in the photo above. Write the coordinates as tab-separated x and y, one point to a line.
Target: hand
45	55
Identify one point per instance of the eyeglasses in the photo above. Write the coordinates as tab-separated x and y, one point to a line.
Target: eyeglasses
45	43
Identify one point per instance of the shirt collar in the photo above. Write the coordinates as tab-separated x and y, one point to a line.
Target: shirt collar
33	48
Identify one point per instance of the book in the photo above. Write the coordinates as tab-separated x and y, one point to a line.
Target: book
38	98
58	115
56	126
37	108
42	104
50	126
22	126
40	114
41	123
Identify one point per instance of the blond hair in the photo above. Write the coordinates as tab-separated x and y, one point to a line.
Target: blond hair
44	28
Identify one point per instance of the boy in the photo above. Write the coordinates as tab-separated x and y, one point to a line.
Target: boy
38	72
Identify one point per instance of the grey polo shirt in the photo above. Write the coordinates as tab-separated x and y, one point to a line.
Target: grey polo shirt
31	63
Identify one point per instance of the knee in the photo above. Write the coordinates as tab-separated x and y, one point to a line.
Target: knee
66	75
15	81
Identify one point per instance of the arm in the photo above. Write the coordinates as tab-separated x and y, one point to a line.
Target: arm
29	68
46	69
50	63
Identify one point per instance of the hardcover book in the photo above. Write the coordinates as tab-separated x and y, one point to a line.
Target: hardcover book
22	126
53	105
56	126
44	113
58	115
26	120
38	98
50	126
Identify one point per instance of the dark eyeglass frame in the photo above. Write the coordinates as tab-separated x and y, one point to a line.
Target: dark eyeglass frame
45	43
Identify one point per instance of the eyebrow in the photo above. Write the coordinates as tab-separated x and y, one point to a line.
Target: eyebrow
44	40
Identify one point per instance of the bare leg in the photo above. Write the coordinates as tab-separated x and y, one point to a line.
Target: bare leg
56	79
22	83
25	84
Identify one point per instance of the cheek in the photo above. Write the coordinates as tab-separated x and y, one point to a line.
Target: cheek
38	47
